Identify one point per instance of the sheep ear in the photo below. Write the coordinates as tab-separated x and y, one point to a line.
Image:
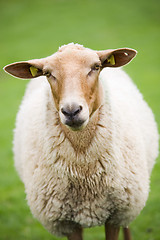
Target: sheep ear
117	57
25	70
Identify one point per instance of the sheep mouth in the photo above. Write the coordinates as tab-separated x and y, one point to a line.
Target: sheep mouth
75	125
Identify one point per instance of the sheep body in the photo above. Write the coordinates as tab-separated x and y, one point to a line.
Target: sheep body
87	177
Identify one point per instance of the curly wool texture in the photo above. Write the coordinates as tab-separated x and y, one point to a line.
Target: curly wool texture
88	177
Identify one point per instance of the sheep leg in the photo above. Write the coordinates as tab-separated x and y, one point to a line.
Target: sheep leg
111	232
76	235
127	234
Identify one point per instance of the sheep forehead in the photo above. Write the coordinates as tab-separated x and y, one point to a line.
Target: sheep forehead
73	56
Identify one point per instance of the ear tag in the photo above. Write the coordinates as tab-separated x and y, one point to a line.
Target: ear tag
111	60
33	71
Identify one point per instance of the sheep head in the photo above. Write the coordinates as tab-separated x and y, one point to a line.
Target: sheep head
73	75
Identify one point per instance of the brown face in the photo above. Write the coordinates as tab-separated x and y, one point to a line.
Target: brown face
73	76
75	86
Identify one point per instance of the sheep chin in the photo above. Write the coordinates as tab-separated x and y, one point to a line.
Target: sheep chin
78	127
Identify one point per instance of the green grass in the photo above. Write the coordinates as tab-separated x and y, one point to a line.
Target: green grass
36	28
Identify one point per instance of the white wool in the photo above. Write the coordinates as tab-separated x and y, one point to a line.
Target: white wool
71	46
109	181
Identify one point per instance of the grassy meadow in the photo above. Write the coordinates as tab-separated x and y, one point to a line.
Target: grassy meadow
36	28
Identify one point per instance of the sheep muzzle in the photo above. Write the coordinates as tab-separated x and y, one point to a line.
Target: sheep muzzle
73	116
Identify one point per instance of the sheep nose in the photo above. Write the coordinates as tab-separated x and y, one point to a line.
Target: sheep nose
71	111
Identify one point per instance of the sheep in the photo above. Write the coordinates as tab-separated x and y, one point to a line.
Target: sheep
85	141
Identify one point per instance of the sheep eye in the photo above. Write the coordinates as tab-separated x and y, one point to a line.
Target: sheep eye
47	74
96	67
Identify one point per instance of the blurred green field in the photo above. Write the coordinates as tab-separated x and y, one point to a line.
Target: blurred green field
36	28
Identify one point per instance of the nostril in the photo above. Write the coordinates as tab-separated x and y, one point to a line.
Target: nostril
71	111
65	112
79	109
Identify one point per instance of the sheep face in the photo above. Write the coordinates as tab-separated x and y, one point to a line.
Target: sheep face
75	86
73	75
